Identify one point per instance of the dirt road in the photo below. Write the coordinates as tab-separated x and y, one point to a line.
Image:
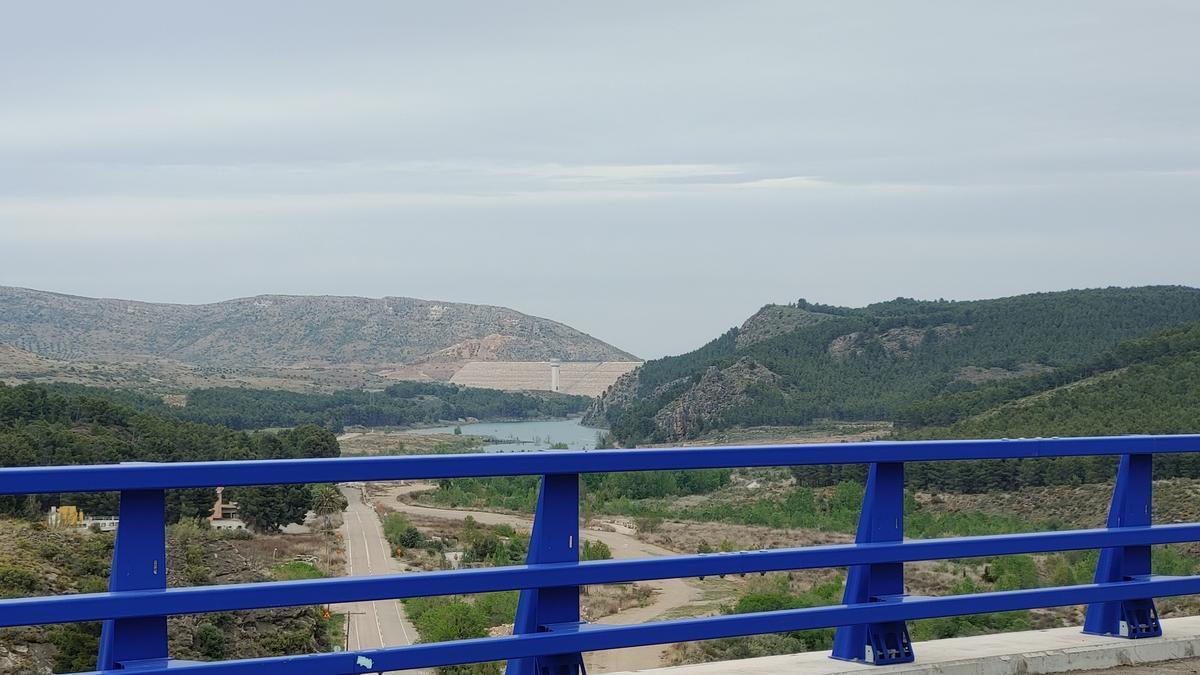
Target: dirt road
381	623
669	593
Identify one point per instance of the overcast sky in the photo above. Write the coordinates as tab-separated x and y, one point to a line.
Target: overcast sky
648	172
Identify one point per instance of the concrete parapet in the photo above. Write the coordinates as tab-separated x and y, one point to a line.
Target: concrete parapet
1056	650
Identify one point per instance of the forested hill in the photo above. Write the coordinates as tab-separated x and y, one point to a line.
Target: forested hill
43	427
1149	385
876	361
402	404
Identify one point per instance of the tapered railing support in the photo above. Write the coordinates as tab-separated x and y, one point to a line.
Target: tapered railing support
139	563
882	520
1130	507
555	539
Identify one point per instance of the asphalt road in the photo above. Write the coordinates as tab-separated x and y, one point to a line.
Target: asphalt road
381	623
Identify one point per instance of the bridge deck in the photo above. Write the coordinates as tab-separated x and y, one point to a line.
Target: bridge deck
1057	650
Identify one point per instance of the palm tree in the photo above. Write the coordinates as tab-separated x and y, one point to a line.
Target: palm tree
326	501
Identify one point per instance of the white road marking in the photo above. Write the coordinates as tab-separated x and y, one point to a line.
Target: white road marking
400	616
382	554
353	618
370	571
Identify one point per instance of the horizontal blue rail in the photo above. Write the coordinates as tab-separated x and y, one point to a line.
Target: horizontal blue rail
230	597
602	637
548	633
151	476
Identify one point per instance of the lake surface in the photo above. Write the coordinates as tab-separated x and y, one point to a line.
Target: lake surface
527	436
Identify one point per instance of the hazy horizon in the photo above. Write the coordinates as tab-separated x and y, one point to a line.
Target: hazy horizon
552	318
650	174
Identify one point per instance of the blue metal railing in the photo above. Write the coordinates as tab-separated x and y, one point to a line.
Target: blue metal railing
548	635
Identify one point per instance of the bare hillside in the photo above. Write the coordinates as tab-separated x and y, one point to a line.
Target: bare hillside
285	331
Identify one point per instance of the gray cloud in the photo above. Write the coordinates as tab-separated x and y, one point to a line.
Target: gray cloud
648	172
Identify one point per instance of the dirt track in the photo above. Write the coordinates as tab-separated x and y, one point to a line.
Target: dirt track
670	594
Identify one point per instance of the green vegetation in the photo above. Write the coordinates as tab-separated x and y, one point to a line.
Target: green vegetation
977	624
649	497
595	550
266	509
836	510
519	493
1156	395
44	427
494	546
400	533
40	561
296	570
401	404
443	618
455	618
1146	386
335	628
874	362
209	641
1000	573
772	595
327	500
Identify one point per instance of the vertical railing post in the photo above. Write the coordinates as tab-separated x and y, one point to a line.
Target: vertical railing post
555	539
1130	507
139	563
882	520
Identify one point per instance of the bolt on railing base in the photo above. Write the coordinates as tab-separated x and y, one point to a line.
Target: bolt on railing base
1135	619
884	644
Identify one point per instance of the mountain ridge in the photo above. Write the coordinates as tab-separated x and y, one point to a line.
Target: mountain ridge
874	361
282	330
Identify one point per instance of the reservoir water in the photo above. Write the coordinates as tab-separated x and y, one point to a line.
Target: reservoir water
527	436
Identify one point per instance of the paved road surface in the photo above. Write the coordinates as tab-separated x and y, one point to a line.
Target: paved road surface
381	623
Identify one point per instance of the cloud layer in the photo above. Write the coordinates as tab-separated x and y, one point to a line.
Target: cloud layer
648	172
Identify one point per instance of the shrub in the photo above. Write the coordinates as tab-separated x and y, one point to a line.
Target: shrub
595	550
15	581
209	641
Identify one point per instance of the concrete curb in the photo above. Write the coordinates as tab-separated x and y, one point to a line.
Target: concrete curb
1057	650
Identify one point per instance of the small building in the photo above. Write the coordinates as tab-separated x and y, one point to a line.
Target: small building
225	514
71	516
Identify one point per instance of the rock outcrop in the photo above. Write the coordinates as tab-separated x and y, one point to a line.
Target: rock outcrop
717	391
774	320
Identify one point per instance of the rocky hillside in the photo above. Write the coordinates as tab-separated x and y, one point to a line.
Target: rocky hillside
35	561
284	331
788	365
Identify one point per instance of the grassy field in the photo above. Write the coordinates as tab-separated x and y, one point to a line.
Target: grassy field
383	442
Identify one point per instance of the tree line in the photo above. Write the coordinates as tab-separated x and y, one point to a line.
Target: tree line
40	426
891	356
401	404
